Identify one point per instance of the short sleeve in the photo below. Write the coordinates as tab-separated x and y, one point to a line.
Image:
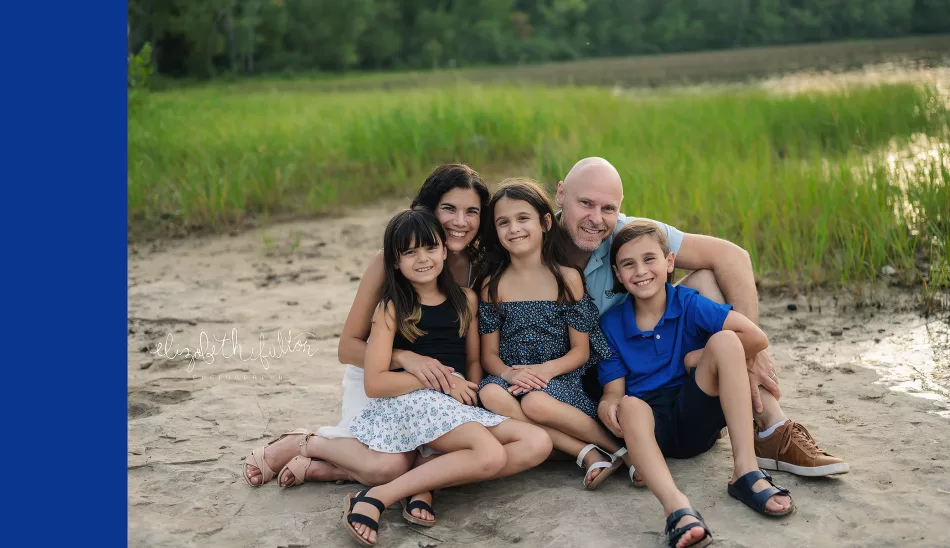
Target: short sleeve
704	316
582	315
488	318
612	367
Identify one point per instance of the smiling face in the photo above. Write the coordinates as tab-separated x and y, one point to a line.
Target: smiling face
589	199
641	266
421	264
519	226
459	212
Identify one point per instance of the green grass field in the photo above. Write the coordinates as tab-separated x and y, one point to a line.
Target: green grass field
802	181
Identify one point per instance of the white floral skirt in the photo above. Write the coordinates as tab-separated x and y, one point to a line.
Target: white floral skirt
408	422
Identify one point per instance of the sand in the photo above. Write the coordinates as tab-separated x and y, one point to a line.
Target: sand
192	423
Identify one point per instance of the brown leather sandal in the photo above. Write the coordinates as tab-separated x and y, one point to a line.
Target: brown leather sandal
256	458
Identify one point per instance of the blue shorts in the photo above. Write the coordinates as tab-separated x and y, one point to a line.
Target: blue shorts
688	420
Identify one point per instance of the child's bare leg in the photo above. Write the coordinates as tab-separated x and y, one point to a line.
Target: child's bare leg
636	420
722	372
498	400
526	445
470	454
424	497
361	463
547	411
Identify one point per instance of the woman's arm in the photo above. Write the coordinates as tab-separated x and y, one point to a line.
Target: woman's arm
754	340
473	370
352	348
378	380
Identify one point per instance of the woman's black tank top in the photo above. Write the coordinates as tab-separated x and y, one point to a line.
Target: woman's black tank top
441	340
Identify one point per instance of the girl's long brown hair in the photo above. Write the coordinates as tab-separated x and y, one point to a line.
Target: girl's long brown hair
415	228
553	240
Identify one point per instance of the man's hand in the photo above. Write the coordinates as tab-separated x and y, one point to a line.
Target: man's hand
430	371
762	372
465	392
607	411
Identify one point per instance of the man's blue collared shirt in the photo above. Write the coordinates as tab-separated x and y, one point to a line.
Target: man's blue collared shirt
651	360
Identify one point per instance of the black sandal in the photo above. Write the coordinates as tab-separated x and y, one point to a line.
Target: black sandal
349	518
409	505
673	535
742	490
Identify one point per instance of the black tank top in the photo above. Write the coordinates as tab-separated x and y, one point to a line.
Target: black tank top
441	340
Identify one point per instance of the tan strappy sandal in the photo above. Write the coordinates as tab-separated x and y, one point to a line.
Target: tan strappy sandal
256	457
298	465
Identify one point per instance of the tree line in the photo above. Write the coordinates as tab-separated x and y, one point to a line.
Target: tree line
208	38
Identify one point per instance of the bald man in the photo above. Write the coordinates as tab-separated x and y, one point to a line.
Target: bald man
589	199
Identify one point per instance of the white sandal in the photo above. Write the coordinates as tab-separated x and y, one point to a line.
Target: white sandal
611	466
633	469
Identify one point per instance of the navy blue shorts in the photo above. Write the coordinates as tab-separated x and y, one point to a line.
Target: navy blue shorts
688	420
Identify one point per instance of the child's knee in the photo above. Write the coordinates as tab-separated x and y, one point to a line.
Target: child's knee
725	342
495	398
492	457
536	406
635	413
538	443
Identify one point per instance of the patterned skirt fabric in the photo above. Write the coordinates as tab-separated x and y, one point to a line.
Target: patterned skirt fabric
566	388
404	423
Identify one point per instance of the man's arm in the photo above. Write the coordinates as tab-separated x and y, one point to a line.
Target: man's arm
732	268
729	263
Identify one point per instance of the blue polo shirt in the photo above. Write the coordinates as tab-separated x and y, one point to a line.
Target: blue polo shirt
651	360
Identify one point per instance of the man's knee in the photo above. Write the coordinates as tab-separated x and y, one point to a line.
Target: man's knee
704	281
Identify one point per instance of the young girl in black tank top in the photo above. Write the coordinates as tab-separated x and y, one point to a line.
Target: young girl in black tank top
425	311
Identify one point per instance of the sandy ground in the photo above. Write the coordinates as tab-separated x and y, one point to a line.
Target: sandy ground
192	423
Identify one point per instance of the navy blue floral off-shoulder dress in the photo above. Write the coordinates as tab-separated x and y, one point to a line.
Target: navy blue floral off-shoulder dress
533	332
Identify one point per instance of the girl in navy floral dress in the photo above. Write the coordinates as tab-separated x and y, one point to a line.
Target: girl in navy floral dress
540	330
424	310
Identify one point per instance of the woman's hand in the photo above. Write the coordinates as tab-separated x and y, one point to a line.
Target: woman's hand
465	392
430	371
525	378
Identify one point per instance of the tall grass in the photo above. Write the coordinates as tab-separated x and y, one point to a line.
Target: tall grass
798	180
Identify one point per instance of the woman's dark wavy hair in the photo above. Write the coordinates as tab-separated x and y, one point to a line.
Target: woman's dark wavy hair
412	228
553	240
448	177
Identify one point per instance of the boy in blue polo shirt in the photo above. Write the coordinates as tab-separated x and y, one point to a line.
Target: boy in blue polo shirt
676	377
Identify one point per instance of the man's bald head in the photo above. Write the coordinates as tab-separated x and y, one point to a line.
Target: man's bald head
589	198
594	170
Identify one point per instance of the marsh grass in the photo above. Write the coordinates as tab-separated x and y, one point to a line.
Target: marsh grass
801	181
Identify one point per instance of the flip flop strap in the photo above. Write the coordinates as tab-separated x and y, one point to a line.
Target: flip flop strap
422	505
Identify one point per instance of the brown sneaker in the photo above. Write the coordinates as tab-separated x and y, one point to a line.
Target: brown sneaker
792	449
